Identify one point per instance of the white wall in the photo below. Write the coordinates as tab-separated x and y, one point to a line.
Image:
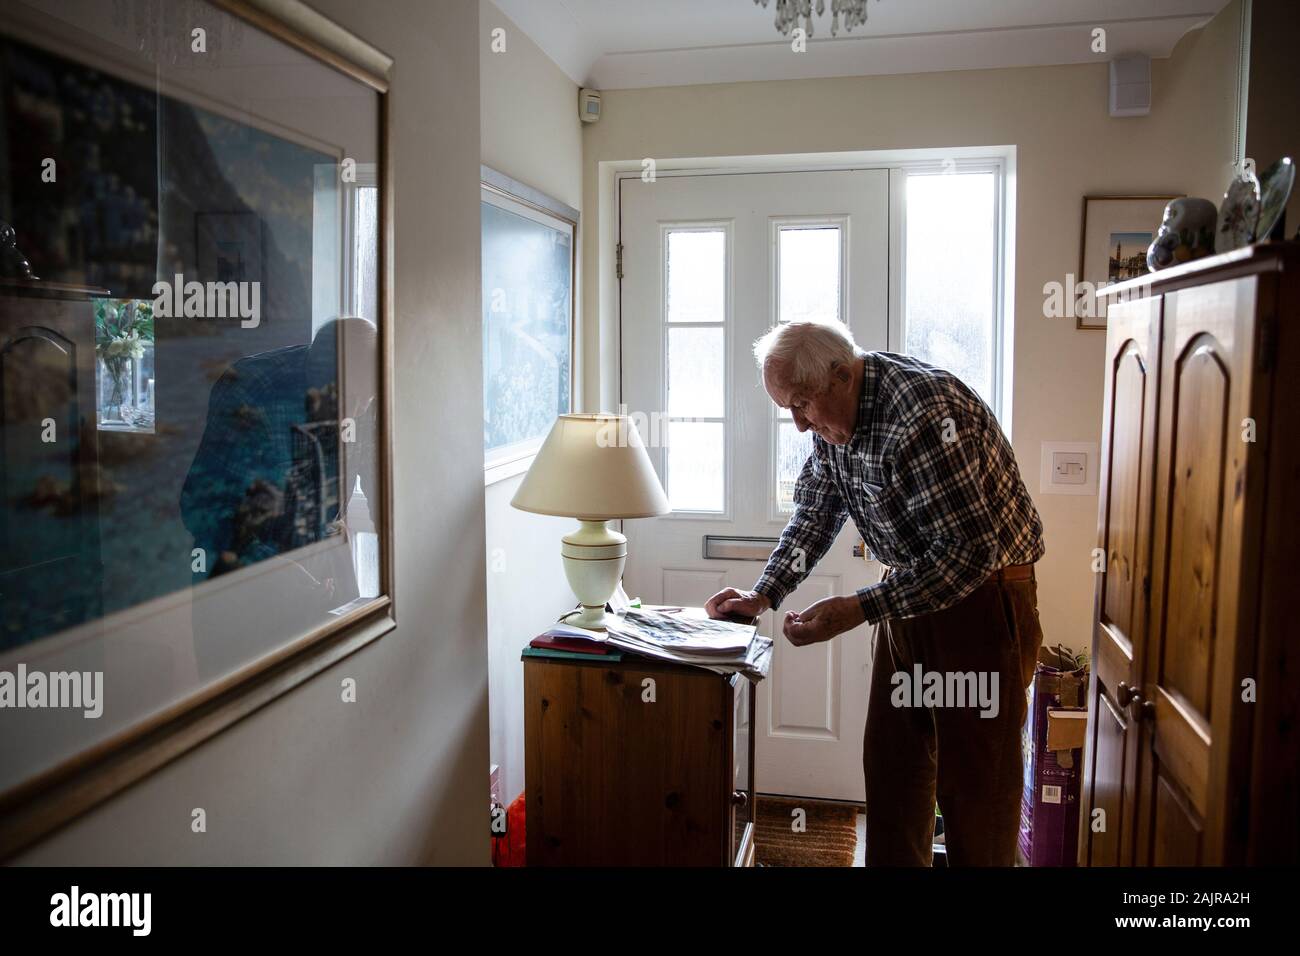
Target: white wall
530	131
400	776
1067	146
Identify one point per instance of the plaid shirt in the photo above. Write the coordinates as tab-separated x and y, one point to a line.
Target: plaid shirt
932	485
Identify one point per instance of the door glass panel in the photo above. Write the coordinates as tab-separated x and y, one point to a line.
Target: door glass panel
809	272
696	372
951	257
695	367
808	289
793	450
697	275
695	466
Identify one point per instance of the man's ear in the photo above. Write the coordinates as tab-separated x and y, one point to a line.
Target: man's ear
841	372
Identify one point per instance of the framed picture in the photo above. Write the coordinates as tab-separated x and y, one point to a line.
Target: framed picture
1114	236
528	258
155	590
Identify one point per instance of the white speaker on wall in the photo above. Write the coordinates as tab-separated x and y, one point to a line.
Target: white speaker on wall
1130	85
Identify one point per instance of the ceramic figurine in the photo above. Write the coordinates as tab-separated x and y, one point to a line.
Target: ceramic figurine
1186	233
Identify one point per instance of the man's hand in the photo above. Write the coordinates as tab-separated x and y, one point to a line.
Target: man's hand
823	620
732	601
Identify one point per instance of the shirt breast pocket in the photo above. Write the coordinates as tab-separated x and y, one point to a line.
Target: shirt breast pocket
872	480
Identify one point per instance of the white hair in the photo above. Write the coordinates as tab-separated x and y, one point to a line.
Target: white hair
805	353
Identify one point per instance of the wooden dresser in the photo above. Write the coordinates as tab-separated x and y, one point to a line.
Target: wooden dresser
1193	754
637	763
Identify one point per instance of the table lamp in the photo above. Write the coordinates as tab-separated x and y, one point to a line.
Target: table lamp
593	468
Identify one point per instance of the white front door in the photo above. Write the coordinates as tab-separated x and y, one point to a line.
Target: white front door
710	263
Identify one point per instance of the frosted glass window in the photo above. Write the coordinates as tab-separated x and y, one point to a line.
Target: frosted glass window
793	450
809	264
949	292
697	275
527	295
696	469
696	372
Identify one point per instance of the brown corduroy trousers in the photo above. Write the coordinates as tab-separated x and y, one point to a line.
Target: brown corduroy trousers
967	757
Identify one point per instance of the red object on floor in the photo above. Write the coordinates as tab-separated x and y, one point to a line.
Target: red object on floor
510	848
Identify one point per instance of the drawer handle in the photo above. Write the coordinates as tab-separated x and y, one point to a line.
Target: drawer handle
740	798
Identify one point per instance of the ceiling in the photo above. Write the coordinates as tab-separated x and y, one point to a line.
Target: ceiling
622	44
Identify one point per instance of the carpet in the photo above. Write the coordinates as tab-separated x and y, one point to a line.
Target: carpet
826	834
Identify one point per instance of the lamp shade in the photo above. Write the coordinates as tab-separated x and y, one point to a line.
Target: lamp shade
592	467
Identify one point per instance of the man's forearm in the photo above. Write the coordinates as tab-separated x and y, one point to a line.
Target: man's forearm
804	542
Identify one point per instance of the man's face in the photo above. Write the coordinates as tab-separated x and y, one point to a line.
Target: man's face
829	410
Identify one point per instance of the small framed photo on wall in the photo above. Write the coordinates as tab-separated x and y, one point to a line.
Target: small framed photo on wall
1114	236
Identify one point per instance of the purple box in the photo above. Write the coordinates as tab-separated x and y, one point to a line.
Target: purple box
1049	803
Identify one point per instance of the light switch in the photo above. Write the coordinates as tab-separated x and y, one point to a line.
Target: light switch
1069	468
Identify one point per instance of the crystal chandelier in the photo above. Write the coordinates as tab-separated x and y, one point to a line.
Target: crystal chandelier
788	13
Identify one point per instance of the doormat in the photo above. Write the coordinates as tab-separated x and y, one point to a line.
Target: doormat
825	834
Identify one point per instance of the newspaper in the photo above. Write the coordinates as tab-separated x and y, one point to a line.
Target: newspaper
689	635
690	638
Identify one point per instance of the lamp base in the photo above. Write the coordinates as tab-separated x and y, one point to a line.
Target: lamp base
594	557
589	618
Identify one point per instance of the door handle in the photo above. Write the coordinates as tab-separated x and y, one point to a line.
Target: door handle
1124	695
1131	699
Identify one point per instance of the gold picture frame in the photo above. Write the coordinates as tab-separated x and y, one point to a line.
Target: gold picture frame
80	777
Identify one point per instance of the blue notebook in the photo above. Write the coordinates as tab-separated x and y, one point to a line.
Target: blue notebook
612	657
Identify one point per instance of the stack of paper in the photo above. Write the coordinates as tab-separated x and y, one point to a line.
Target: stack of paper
688	637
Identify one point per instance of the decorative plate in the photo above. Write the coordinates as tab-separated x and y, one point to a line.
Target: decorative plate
1239	214
1274	191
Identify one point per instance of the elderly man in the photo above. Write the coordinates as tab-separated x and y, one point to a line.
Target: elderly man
919	462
